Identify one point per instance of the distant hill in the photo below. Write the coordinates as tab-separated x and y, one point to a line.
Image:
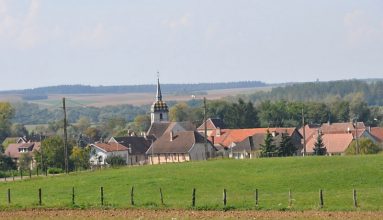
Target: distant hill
169	88
370	89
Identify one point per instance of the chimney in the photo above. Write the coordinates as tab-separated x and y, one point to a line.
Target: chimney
171	135
218	132
369	129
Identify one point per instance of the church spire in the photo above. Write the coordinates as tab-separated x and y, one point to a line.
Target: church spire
159	94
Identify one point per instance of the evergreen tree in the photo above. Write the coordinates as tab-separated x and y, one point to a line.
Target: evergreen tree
319	148
268	148
286	146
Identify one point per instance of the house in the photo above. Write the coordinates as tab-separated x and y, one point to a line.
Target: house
179	147
336	136
16	150
211	125
101	151
243	143
137	147
335	143
157	129
377	133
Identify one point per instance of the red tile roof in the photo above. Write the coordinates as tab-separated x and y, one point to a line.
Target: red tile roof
229	136
110	147
334	143
377	132
13	149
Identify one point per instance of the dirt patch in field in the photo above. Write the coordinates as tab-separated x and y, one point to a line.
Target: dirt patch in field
183	214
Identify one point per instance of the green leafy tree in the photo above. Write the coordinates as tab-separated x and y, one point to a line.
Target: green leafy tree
52	152
6	163
179	112
319	148
241	115
25	161
142	122
268	148
6	114
80	157
286	146
365	146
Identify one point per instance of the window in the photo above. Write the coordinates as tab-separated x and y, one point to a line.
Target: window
161	117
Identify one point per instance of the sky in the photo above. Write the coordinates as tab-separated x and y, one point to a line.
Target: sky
120	42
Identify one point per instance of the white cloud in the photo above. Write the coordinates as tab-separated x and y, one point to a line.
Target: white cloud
362	29
20	31
91	37
182	21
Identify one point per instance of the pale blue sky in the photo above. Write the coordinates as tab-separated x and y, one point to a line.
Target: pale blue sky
94	42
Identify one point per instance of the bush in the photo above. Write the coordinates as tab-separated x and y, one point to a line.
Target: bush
115	161
366	146
55	170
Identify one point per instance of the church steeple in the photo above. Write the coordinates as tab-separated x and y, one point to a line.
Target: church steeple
159	93
159	109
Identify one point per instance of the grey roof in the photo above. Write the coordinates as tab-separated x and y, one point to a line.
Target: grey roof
138	145
182	142
157	129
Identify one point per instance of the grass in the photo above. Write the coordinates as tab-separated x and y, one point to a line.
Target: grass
273	177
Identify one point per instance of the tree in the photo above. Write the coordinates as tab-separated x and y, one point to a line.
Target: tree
82	124
6	114
25	161
53	152
286	146
179	112
241	115
268	147
365	146
19	130
142	122
319	148
80	157
6	163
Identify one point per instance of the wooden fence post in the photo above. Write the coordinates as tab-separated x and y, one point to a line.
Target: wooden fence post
290	198
40	197
9	196
321	203
102	195
132	196
256	197
193	198
162	197
224	197
354	198
73	196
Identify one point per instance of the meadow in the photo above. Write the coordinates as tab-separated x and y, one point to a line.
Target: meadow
273	177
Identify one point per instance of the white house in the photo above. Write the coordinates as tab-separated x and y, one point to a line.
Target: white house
101	151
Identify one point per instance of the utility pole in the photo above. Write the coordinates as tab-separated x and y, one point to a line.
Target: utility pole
304	133
205	125
65	139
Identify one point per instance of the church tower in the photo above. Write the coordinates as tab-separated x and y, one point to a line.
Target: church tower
159	110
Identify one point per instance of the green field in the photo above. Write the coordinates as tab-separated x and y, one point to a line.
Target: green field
273	177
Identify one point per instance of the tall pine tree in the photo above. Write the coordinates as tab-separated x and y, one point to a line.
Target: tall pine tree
268	148
319	148
286	146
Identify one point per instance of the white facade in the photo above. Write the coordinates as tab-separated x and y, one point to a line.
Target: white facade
98	156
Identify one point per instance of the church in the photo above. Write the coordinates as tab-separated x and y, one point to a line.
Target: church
173	141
